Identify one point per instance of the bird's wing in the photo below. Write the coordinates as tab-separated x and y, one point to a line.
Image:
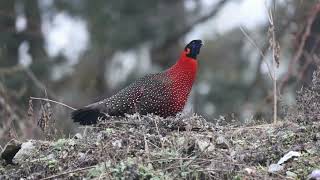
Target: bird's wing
149	94
146	95
155	95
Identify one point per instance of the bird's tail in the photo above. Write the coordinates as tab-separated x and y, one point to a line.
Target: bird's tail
86	115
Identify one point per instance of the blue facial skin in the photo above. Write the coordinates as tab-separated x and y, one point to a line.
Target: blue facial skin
194	48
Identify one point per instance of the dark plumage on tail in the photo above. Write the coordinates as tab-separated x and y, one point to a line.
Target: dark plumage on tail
86	116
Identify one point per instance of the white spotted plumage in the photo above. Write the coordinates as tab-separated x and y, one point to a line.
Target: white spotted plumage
164	94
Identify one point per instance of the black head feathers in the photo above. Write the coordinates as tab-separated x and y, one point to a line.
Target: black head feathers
193	48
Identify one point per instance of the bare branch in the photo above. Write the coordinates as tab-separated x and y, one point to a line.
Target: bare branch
69	172
275	63
30	74
176	36
53	101
38	83
259	50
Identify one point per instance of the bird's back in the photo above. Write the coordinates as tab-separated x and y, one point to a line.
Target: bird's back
149	94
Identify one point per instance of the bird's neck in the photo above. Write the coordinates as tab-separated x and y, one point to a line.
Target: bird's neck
185	67
183	74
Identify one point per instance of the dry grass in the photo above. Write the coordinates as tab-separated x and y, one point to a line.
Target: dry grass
150	147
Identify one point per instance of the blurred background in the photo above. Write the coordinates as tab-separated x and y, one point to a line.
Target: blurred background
80	51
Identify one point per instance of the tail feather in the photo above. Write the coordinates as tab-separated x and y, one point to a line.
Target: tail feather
86	116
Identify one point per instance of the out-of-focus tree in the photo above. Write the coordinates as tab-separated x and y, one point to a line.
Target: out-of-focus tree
305	49
113	26
22	55
231	80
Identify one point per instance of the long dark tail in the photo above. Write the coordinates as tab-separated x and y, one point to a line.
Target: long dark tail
86	116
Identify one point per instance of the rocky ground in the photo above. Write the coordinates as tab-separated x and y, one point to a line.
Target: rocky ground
150	147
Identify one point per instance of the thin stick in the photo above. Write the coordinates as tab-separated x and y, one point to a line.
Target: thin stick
68	172
274	64
60	103
155	122
38	83
260	51
115	122
200	159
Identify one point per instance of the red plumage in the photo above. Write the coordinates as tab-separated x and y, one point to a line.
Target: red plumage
182	75
164	94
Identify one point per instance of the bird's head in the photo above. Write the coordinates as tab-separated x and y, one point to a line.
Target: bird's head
193	48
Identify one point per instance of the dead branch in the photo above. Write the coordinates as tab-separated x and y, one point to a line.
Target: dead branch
68	172
178	35
9	110
30	74
275	63
261	51
264	49
53	101
38	83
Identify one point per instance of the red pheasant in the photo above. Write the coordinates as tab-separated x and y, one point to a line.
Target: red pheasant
164	94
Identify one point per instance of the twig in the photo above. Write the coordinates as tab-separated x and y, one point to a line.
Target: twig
198	155
5	105
146	147
12	114
275	63
68	172
264	49
201	159
60	103
261	52
213	170
193	159
155	122
30	74
122	122
38	83
113	122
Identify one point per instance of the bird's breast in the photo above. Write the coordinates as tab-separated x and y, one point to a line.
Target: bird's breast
182	76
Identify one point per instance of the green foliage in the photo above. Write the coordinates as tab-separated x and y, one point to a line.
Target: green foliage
99	169
52	163
146	172
60	144
237	178
109	130
125	169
